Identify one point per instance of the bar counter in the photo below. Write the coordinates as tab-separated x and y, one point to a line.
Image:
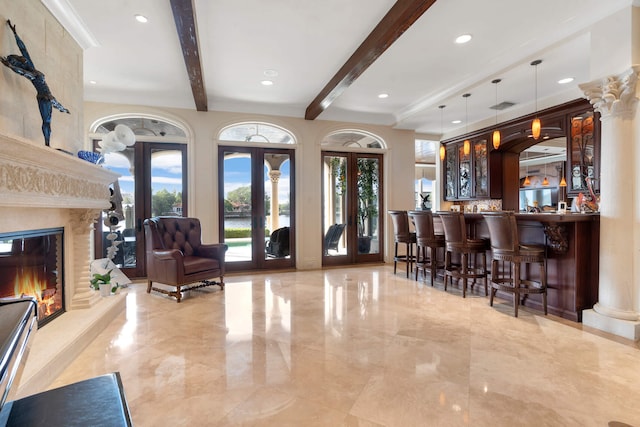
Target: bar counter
572	242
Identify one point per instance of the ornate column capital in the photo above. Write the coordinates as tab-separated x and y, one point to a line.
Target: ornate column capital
274	175
81	219
614	95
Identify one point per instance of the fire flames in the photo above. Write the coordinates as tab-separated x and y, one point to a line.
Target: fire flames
28	283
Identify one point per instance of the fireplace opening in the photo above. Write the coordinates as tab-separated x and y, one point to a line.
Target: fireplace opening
31	264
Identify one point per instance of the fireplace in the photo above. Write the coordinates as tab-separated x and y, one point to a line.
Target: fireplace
32	264
45	189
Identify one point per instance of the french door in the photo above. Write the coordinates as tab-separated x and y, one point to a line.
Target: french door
153	182
351	203
256	207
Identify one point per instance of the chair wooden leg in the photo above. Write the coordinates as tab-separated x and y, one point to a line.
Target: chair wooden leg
149	286
464	270
543	283
395	258
516	285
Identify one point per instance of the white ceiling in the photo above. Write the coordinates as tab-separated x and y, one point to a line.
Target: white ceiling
307	41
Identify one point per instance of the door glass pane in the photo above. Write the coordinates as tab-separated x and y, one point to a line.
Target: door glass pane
277	202
335	212
118	222
166	183
237	219
368	205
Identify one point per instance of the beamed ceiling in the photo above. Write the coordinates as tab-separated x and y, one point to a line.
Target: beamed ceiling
330	59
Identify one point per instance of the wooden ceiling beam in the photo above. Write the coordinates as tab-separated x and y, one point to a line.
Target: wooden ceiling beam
399	18
185	19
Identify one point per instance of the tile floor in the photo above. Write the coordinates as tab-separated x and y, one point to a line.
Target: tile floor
358	347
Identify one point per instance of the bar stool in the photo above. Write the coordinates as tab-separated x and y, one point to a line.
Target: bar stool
457	242
402	234
505	246
427	243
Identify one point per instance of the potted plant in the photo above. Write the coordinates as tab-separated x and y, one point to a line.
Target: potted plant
102	282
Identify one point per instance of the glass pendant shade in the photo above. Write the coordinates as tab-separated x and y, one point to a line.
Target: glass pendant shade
535	128
496	139
496	133
545	182
527	181
563	182
442	153
466	147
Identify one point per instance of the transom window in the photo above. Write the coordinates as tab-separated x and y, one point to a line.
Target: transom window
353	138
256	132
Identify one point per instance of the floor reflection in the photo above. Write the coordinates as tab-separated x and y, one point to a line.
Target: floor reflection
356	346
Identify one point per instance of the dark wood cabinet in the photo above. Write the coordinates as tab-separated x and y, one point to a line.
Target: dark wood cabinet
583	153
467	170
487	173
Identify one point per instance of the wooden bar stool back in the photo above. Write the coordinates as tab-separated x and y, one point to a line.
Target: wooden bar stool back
457	242
402	234
505	246
427	244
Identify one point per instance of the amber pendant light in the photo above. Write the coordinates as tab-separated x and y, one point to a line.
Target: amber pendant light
527	181
545	181
496	133
466	147
536	127
442	149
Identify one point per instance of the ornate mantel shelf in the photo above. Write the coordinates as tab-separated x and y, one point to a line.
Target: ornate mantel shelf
39	176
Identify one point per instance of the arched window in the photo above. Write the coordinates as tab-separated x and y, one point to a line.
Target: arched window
143	127
352	138
256	132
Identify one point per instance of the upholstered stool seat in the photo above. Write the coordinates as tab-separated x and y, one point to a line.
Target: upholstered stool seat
505	247
402	234
458	243
427	244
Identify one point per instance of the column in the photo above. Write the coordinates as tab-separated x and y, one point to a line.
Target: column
79	294
274	175
617	308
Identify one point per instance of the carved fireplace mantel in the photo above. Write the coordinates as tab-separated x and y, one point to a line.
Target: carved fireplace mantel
42	187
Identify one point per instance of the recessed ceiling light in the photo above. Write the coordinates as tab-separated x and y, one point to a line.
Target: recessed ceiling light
270	73
383	95
141	18
93	82
455	122
463	38
565	80
266	83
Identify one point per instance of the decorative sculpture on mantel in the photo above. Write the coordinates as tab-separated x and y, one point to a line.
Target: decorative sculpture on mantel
24	66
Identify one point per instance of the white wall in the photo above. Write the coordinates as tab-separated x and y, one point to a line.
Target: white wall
203	128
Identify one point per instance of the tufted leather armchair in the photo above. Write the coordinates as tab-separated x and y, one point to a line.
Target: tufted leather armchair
176	256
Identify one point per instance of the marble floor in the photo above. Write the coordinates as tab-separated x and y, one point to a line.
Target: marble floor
358	347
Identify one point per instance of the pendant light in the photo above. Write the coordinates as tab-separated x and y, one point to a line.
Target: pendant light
442	149
466	148
527	181
535	125
545	181
496	133
563	181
